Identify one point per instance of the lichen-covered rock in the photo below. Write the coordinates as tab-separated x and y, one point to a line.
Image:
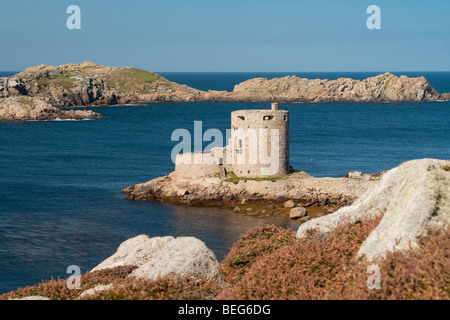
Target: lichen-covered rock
134	252
181	257
413	198
26	108
165	256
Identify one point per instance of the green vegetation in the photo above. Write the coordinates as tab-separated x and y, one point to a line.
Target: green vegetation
28	102
129	79
122	80
64	80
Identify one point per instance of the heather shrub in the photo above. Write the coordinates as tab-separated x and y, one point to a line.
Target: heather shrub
420	274
166	288
56	289
269	263
326	267
256	243
318	267
124	287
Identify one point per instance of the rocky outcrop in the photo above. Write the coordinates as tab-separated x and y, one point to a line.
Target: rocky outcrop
90	83
384	87
299	187
27	108
414	198
445	96
165	256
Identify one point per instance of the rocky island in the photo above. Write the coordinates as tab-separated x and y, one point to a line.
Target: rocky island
89	83
260	196
22	108
250	176
382	88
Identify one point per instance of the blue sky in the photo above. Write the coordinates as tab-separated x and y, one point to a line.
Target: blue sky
232	35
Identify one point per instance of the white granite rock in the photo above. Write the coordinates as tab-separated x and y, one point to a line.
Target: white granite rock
164	256
414	198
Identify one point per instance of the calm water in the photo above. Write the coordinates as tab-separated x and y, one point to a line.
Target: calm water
60	200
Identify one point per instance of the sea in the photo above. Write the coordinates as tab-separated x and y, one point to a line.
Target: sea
60	181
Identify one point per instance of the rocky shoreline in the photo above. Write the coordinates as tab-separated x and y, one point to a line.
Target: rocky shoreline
89	83
28	108
260	197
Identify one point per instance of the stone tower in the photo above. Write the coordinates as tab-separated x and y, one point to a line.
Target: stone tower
260	142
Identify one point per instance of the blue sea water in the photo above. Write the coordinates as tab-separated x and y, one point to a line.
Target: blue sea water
60	181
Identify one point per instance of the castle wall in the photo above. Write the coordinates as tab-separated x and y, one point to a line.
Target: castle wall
200	164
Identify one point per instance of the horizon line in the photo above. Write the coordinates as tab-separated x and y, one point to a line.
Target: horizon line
342	71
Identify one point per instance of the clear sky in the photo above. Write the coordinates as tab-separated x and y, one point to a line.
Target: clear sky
231	35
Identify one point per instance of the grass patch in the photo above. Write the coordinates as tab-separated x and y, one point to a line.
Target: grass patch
132	79
64	80
232	177
27	101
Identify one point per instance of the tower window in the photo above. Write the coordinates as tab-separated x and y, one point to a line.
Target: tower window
285	117
241	117
267	117
239	149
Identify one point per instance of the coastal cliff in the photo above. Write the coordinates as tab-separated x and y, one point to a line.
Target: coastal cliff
89	83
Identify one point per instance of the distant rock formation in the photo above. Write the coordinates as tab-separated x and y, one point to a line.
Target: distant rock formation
26	108
165	256
414	198
89	83
384	87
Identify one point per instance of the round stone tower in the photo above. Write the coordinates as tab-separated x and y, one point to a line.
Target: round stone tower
260	142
